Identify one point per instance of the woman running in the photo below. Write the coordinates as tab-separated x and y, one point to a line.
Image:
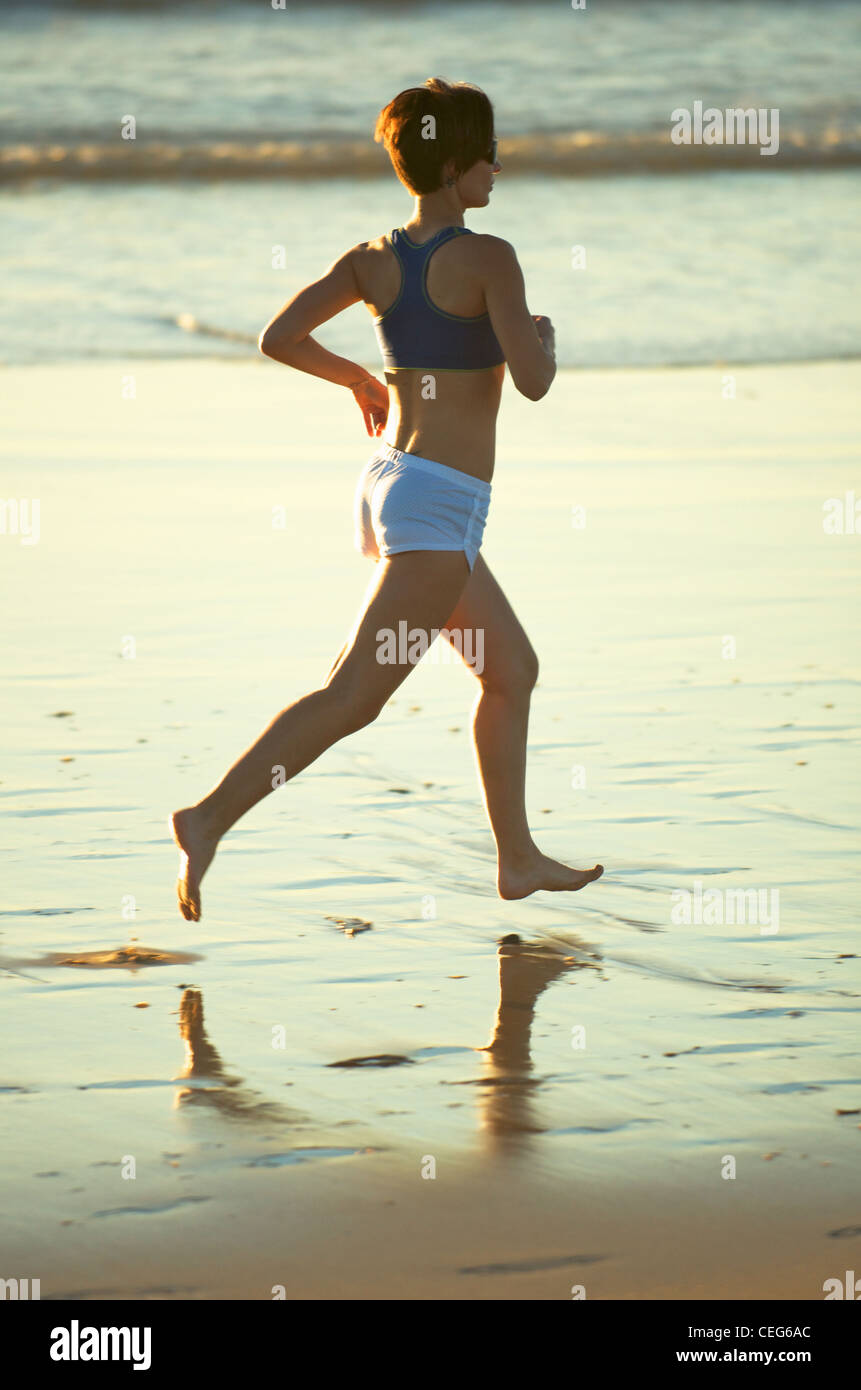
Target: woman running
449	310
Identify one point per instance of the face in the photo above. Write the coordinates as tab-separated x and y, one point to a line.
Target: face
474	186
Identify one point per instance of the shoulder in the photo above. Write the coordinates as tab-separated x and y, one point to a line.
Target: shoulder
365	254
371	265
363	250
494	259
493	251
355	265
491	243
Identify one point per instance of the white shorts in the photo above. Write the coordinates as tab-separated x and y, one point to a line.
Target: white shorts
405	502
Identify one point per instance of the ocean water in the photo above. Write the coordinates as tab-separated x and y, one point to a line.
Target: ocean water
254	133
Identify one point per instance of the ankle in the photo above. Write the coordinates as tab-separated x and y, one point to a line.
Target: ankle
518	856
206	819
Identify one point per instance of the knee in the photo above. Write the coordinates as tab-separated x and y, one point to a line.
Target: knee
517	678
529	670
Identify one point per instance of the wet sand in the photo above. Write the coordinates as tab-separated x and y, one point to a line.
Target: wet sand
357	1009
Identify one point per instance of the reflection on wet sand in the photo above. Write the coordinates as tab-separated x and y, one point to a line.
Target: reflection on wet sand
507	1088
229	1095
506	1105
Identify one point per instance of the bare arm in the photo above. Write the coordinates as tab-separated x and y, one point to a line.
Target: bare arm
287	338
527	340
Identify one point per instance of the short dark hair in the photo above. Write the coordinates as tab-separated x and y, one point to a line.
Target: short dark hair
462	131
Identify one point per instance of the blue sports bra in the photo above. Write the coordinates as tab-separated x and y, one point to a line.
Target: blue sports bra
413	332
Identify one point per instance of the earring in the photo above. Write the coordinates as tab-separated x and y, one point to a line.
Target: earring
449	183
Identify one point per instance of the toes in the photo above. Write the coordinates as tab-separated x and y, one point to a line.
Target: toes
188	901
588	876
187	906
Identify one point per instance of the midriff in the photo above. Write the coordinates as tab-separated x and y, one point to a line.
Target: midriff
456	426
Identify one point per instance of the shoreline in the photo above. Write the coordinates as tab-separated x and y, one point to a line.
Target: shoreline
373	367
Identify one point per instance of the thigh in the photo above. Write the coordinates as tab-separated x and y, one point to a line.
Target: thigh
508	655
418	588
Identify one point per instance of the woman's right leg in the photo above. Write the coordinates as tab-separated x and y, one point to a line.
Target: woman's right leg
418	587
500	721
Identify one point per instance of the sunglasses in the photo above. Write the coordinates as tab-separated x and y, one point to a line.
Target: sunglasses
491	153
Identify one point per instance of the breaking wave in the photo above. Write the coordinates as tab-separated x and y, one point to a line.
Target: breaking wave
577	154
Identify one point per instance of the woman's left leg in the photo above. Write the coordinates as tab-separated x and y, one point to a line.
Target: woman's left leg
500	720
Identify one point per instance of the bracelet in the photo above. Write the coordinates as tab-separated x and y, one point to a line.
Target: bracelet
361	382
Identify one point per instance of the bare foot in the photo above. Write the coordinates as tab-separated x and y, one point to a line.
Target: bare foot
197	845
519	879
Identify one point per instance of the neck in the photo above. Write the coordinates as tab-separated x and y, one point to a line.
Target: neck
433	211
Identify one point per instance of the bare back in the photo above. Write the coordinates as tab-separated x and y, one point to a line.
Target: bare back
457	426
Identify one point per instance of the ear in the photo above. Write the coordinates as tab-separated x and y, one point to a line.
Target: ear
448	174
